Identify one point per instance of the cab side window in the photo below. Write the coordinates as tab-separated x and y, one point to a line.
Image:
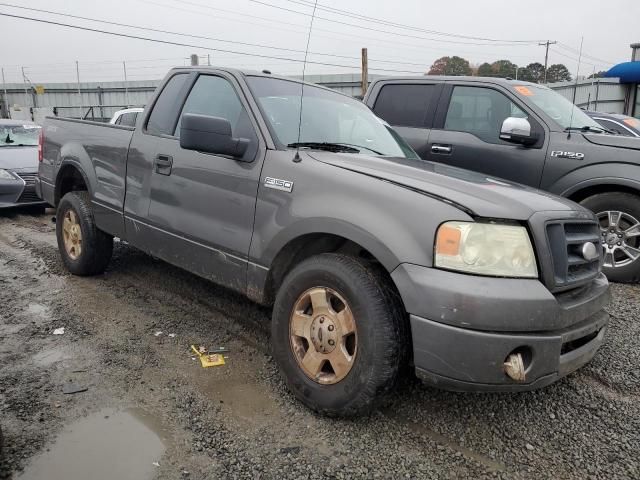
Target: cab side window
480	111
404	105
216	97
162	118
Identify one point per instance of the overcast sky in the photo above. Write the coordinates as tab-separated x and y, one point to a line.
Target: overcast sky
409	46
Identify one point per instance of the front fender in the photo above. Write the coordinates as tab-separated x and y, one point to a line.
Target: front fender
623	174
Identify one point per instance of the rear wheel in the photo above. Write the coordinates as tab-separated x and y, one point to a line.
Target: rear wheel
339	334
619	217
85	249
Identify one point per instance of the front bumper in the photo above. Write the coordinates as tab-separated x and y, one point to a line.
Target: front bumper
21	191
464	327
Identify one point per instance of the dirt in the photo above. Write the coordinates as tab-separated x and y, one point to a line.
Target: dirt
149	410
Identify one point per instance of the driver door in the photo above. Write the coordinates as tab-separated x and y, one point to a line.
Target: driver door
466	134
202	205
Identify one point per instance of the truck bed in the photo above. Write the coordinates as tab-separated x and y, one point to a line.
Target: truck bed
96	149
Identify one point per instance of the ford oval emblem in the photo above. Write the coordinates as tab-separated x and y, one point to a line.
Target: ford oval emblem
590	252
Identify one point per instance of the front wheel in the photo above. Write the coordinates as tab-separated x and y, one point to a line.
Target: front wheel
619	217
339	334
85	249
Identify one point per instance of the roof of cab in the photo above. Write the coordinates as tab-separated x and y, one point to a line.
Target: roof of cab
448	78
252	73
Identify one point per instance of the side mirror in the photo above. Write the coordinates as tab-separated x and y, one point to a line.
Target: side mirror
517	130
210	135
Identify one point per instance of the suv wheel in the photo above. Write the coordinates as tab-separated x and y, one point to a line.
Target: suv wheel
619	217
85	250
339	334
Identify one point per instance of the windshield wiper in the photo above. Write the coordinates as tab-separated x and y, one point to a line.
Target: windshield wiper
589	128
362	146
328	146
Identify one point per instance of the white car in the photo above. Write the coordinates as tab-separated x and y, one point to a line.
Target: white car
127	116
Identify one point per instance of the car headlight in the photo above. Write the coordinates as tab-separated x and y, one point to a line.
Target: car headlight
4	175
485	249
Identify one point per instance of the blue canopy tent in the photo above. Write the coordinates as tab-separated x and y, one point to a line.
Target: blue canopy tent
627	72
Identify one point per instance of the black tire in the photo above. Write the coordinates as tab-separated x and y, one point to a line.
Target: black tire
630	205
383	343
96	245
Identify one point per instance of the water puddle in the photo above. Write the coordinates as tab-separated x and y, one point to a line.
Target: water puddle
106	445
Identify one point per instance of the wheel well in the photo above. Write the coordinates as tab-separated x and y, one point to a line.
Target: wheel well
307	246
69	180
605	188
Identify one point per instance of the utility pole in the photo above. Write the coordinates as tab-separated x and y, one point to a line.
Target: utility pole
79	91
194	60
365	71
126	87
24	81
546	56
208	59
6	97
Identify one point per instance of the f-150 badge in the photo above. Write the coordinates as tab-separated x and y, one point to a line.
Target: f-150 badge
571	155
278	184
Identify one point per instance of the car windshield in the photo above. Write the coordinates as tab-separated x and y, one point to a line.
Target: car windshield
19	135
565	113
328	119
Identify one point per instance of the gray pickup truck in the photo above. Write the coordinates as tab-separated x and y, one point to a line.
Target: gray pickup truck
529	134
372	258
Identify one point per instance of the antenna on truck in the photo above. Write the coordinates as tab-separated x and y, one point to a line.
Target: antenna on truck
575	89
297	157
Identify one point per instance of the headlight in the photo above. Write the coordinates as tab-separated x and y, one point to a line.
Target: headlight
4	175
485	249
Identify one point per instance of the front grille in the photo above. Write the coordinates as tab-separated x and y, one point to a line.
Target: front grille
566	240
29	178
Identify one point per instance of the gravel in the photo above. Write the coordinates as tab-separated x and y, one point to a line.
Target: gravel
239	421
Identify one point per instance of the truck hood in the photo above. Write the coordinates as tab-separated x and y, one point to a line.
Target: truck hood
618	141
478	194
14	158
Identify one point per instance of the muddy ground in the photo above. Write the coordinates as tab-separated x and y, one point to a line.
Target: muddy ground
150	410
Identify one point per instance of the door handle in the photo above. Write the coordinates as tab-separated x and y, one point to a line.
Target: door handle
162	164
445	149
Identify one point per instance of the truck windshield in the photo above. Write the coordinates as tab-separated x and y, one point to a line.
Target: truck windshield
329	120
19	135
557	107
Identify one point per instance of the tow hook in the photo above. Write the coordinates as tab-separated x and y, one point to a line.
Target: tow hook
514	367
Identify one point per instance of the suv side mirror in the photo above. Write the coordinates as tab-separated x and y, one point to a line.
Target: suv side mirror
517	130
210	135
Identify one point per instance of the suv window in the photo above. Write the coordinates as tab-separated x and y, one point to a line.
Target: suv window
162	118
480	111
214	96
128	119
404	105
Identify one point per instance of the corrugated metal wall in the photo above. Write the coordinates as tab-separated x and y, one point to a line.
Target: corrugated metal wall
605	95
101	99
602	94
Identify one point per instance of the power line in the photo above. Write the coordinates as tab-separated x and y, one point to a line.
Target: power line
180	44
203	37
386	22
385	44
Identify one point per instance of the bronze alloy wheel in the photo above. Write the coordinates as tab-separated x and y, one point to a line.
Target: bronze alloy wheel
72	235
323	335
